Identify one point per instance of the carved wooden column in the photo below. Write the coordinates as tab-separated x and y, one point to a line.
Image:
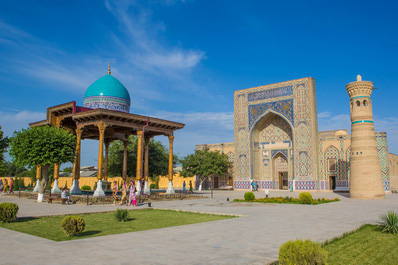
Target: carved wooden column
106	165
38	178
139	161
75	189
101	128
170	189
124	172
55	188
146	166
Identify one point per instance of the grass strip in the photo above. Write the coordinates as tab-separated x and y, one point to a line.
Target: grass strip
101	224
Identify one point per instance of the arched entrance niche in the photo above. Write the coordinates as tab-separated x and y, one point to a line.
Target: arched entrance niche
281	169
272	144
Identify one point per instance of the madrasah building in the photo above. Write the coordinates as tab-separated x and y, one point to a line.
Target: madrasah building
277	143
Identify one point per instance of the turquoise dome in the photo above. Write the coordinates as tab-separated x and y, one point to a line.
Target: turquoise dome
107	93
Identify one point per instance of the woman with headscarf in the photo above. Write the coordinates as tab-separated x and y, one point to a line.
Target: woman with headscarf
131	192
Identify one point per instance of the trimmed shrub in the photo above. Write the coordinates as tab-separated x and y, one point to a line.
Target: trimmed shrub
301	252
152	186
389	222
305	197
86	187
121	215
8	212
249	196
73	225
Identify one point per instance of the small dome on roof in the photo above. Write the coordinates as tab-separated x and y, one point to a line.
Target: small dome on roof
107	93
341	133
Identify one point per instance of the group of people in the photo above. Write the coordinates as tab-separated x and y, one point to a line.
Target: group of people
184	186
254	186
6	187
130	188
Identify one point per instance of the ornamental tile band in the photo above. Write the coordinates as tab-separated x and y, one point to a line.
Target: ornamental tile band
272	93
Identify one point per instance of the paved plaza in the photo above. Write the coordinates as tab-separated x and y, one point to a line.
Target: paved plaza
252	238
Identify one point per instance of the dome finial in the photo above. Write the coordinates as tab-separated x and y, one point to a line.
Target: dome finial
109	68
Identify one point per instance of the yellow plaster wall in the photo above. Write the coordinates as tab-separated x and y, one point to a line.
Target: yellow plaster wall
90	181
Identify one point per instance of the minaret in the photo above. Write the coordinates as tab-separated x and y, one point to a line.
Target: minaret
366	181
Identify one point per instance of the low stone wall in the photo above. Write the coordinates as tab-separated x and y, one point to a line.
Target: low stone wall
82	199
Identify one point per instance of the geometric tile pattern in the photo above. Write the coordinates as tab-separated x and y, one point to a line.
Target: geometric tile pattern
272	93
282	107
305	185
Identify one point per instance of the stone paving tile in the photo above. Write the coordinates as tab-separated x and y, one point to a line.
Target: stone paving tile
253	238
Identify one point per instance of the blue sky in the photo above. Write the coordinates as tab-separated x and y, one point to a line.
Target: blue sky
182	60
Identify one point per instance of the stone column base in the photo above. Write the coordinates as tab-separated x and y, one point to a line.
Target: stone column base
170	189
138	187
99	192
146	188
75	187
37	187
55	188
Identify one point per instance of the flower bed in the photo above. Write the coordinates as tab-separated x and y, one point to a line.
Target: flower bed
290	200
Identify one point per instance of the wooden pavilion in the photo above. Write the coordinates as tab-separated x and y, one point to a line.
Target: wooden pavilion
107	125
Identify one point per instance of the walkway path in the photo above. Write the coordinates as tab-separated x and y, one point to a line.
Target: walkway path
253	238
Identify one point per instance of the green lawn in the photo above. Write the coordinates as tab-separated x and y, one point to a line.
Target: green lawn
368	245
101	224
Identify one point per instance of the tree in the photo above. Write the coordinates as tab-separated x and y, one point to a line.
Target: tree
3	147
43	146
158	158
67	170
205	164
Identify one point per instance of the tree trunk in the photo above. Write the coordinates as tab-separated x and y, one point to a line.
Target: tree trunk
200	185
43	183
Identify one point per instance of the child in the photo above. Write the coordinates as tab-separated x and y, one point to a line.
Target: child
134	200
124	193
115	189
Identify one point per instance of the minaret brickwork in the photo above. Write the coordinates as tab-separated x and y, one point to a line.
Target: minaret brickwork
366	180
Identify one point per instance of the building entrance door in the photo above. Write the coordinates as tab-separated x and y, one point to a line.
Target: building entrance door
283	181
215	183
230	181
332	182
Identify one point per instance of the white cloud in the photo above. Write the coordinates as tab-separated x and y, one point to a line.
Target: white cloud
325	114
175	59
141	60
200	128
143	46
15	121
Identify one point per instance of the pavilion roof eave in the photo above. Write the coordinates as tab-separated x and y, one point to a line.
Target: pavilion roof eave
38	123
128	116
128	120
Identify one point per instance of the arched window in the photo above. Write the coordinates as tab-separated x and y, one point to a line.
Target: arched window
358	103
365	103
